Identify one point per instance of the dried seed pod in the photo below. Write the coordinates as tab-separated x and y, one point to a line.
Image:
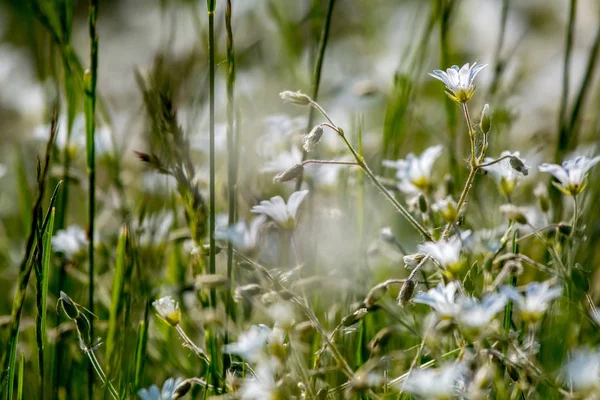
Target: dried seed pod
353	318
289	174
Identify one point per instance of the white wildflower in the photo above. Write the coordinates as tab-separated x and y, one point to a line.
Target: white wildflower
571	174
284	214
434	383
508	171
167	392
459	81
261	386
282	313
250	343
283	160
70	241
168	310
297	98
2	170
582	372
415	171
442	299
535	301
244	237
476	314
445	252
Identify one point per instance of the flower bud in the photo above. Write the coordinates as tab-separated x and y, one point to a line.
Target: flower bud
182	389
312	138
387	235
412	260
541	193
449	184
297	98
518	165
514	213
291	173
353	318
423	206
486	120
375	294
406	292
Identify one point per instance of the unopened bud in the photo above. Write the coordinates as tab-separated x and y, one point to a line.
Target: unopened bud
406	292
291	173
297	98
247	291
486	119
312	138
375	294
412	260
68	306
514	213
353	318
423	206
518	165
541	193
182	389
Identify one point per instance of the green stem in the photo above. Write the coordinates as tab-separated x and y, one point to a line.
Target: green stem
90	79
472	172
317	76
231	167
403	211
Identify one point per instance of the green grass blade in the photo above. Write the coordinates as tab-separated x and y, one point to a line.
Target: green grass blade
117	297
20	378
140	353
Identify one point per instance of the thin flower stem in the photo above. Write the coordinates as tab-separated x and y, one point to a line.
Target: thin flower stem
189	343
330	162
473	171
403	211
493	162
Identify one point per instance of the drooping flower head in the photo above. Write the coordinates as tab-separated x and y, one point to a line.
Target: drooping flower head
534	302
571	174
416	170
168	310
508	171
282	213
459	81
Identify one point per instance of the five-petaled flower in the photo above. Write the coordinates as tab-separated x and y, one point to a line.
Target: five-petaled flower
446	253
571	174
459	81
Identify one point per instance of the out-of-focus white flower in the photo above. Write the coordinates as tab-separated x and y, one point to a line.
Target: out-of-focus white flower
476	314
262	386
284	214
434	383
168	310
167	392
571	174
445	252
535	301
508	171
412	260
282	313
596	315
582	372
442	299
244	237
70	241
515	213
459	81
283	160
414	170
154	228
2	170
250	343
447	209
